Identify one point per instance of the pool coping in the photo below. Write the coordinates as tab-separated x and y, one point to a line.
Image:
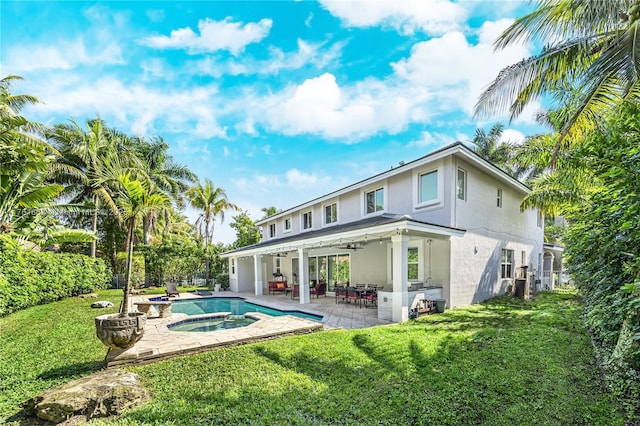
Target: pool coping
158	342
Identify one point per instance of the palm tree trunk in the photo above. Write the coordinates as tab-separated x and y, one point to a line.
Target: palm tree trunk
146	232
206	252
127	282
94	225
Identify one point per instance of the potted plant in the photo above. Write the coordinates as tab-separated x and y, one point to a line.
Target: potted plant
135	199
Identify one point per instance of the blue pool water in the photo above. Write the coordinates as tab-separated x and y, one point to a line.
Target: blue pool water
211	324
235	305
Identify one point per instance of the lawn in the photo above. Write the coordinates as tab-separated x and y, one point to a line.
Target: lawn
504	362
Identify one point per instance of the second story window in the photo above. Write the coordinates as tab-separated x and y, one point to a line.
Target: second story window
499	198
461	188
374	201
287	224
306	221
428	187
330	213
272	230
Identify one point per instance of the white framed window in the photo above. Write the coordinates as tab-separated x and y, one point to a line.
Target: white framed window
428	187
277	265
287	224
307	220
374	201
412	263
461	187
506	266
330	213
499	197
272	230
523	258
539	219
233	266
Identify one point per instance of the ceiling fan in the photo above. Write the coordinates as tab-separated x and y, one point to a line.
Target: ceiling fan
351	246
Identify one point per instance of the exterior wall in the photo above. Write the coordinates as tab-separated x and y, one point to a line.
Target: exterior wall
369	266
244	277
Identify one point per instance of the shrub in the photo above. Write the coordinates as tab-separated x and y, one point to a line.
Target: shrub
223	280
29	278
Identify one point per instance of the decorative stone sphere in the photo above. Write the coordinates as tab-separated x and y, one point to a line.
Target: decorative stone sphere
120	331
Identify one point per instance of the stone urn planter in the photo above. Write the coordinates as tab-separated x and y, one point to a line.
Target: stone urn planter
120	331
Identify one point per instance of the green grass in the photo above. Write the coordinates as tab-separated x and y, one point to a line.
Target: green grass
501	363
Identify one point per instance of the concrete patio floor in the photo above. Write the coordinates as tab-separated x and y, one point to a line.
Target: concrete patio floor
159	342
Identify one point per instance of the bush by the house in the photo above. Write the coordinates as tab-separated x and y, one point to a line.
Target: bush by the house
29	278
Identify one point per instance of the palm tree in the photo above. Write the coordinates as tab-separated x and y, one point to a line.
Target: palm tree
213	202
135	199
268	211
489	146
589	60
86	155
168	176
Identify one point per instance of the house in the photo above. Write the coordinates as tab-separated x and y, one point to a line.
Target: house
445	225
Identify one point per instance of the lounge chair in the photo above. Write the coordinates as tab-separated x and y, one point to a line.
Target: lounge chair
171	290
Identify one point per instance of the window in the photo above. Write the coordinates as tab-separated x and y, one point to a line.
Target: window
276	265
462	185
233	266
287	224
539	219
428	187
330	213
523	258
306	221
506	268
374	201
272	230
412	263
499	198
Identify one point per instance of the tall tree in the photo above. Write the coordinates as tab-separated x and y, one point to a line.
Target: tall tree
87	154
171	178
269	211
589	60
212	202
135	199
490	146
247	233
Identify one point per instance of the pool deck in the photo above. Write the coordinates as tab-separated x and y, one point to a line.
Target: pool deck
159	342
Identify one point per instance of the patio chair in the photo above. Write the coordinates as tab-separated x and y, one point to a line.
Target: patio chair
341	294
371	299
171	290
354	294
295	292
319	290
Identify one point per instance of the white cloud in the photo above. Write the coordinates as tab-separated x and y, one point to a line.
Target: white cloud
300	180
214	36
314	54
512	136
405	16
61	55
455	70
431	139
320	106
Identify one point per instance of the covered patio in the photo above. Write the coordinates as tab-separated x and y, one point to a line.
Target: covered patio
404	257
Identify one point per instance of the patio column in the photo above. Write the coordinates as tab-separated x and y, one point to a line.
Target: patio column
257	267
400	297
303	279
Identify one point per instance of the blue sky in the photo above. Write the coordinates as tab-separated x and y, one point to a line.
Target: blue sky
277	102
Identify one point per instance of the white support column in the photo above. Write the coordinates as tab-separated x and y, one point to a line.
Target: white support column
257	268
400	306
303	279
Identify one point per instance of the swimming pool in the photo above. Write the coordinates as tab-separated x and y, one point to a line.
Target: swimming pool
235	305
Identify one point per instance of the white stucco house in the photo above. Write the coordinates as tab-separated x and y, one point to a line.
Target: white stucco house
447	224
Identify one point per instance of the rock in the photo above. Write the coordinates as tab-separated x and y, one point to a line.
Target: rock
104	394
88	296
102	304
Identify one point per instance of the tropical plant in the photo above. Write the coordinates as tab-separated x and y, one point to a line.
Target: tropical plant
87	156
269	211
135	199
212	202
247	233
589	60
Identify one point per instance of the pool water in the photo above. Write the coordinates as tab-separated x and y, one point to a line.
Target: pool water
211	324
235	305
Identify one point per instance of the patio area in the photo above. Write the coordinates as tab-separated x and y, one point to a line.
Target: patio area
160	343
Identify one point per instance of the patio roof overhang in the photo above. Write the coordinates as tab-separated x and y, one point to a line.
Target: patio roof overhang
379	227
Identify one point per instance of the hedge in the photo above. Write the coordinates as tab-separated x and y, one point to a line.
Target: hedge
29	278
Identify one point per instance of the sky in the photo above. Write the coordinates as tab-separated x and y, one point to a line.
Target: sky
277	102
